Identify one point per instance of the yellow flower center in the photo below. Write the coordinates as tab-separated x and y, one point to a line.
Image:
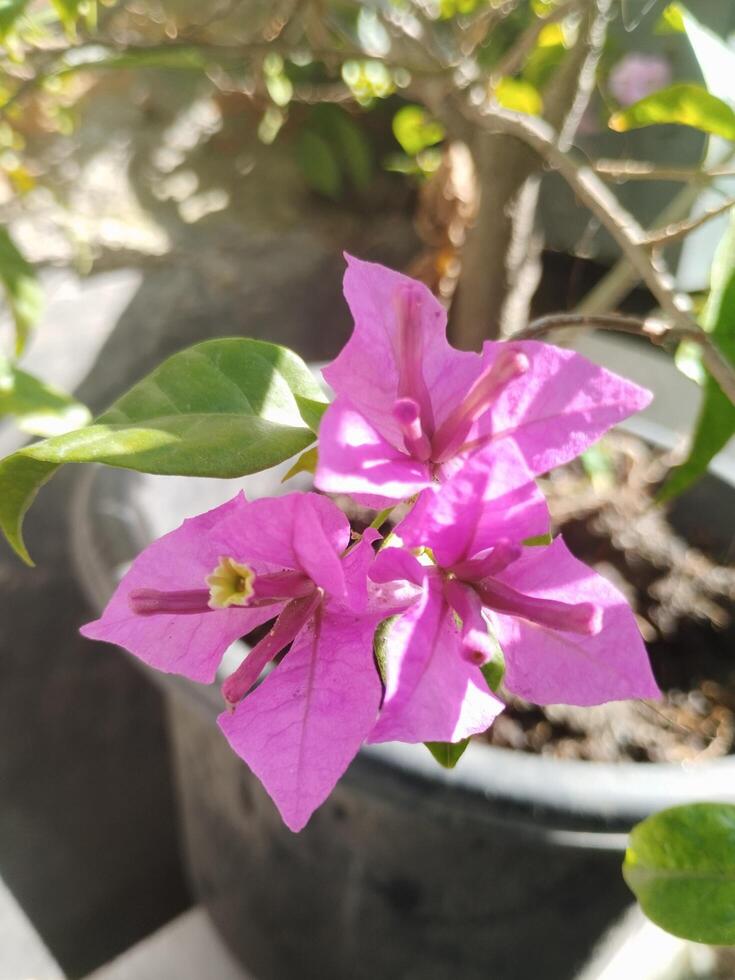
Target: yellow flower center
230	584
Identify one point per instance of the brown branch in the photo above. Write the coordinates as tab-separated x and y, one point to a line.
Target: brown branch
599	200
656	331
680	229
619	170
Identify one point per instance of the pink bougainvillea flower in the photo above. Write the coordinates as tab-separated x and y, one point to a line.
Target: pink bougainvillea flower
190	594
410	408
567	634
637	75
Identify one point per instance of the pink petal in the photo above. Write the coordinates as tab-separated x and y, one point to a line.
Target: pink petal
559	407
302	727
548	666
285	532
355	458
191	645
315	552
356	565
432	693
367	369
491	498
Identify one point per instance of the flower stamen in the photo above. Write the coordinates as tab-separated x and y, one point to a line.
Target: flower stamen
230	584
453	432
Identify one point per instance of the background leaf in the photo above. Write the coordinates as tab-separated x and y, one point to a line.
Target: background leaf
10	12
21	287
40	409
680	864
518	95
415	129
319	165
716	421
223	408
684	104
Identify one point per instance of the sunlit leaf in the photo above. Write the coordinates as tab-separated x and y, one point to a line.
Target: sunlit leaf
416	130
39	408
223	408
518	95
680	864
683	104
10	12
671	20
22	290
716	422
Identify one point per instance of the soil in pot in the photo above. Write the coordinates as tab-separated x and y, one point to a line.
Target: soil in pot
683	594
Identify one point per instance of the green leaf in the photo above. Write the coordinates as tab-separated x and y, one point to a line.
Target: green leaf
10	12
447	754
306	463
716	422
67	12
21	287
684	104
347	141
538	540
494	671
680	864
40	409
671	20
415	129
319	164
223	408
518	95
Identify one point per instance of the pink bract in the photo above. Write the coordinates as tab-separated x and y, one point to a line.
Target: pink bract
299	729
567	635
410	408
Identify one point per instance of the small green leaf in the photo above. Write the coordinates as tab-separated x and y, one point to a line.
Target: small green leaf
21	288
715	425
680	864
447	754
494	671
319	164
40	409
347	141
10	12
415	129
538	540
518	95
684	104
306	463
223	408
68	13
671	20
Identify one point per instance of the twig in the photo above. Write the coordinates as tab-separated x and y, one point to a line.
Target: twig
653	329
643	170
680	229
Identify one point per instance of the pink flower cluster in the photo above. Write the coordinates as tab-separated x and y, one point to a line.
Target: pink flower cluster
461	436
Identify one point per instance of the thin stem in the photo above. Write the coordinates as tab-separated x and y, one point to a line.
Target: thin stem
644	170
657	331
680	229
380	518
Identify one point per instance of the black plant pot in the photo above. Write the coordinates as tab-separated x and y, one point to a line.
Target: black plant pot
506	868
